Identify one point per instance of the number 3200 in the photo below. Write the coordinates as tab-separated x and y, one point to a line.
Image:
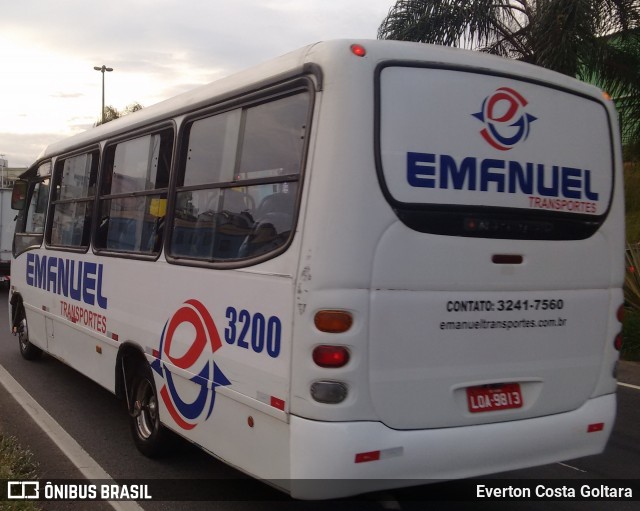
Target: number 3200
253	331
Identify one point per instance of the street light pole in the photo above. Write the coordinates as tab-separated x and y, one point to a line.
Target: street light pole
102	70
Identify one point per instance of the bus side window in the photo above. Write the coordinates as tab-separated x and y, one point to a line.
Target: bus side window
133	195
72	200
37	210
31	220
273	219
238	184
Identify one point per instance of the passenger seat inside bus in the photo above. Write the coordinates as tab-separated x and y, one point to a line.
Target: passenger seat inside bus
273	222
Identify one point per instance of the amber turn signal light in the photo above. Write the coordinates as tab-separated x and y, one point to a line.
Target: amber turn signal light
333	321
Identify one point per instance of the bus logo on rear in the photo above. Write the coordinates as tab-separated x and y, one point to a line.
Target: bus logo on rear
506	122
191	318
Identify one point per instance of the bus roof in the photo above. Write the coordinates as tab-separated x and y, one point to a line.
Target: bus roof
312	59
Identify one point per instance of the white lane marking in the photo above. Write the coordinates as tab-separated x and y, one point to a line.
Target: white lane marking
72	449
628	385
572	468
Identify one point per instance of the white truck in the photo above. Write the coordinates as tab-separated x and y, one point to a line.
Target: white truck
7	227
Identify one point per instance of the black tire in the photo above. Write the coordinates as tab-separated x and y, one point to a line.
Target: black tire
144	417
27	350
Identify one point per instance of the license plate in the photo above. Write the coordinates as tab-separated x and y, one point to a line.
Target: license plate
491	398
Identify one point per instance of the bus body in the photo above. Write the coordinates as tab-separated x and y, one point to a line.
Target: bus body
361	265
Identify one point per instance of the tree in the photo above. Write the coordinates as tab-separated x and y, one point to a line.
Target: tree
111	113
593	40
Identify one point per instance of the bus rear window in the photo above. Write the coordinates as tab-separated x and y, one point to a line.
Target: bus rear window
471	154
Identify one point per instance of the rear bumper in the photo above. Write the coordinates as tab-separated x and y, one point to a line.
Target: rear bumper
323	454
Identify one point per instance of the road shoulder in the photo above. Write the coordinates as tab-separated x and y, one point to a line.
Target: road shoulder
58	455
52	462
629	372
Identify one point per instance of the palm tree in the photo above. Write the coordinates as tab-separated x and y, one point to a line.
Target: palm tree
593	40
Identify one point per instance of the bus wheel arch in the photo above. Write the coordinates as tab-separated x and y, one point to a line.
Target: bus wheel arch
136	385
19	328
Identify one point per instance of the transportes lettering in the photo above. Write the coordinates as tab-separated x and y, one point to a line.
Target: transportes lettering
78	280
79	315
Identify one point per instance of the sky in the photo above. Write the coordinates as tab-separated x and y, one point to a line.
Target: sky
157	49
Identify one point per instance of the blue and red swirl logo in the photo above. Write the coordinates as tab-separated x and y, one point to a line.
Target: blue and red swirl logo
505	119
188	342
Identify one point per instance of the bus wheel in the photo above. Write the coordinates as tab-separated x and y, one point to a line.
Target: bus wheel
27	350
144	416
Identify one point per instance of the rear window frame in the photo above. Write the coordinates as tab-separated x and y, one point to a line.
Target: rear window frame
506	222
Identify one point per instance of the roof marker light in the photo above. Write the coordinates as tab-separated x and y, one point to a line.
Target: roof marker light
358	50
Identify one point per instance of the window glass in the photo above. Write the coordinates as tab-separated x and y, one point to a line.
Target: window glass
274	138
44	170
77	178
211	154
273	217
72	200
138	165
30	222
134	194
218	217
132	224
195	223
71	224
37	210
233	223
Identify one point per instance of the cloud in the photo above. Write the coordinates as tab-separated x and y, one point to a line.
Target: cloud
231	34
67	95
21	150
158	48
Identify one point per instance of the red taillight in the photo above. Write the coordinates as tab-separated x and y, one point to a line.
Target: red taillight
331	356
617	342
358	50
333	321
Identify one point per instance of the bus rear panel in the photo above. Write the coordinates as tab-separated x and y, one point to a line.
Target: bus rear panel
475	235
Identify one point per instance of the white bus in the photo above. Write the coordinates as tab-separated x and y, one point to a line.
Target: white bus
363	264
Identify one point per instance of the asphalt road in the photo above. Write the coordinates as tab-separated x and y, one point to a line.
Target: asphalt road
98	422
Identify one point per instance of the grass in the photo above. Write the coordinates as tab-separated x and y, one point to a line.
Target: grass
631	336
631	327
18	464
632	201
